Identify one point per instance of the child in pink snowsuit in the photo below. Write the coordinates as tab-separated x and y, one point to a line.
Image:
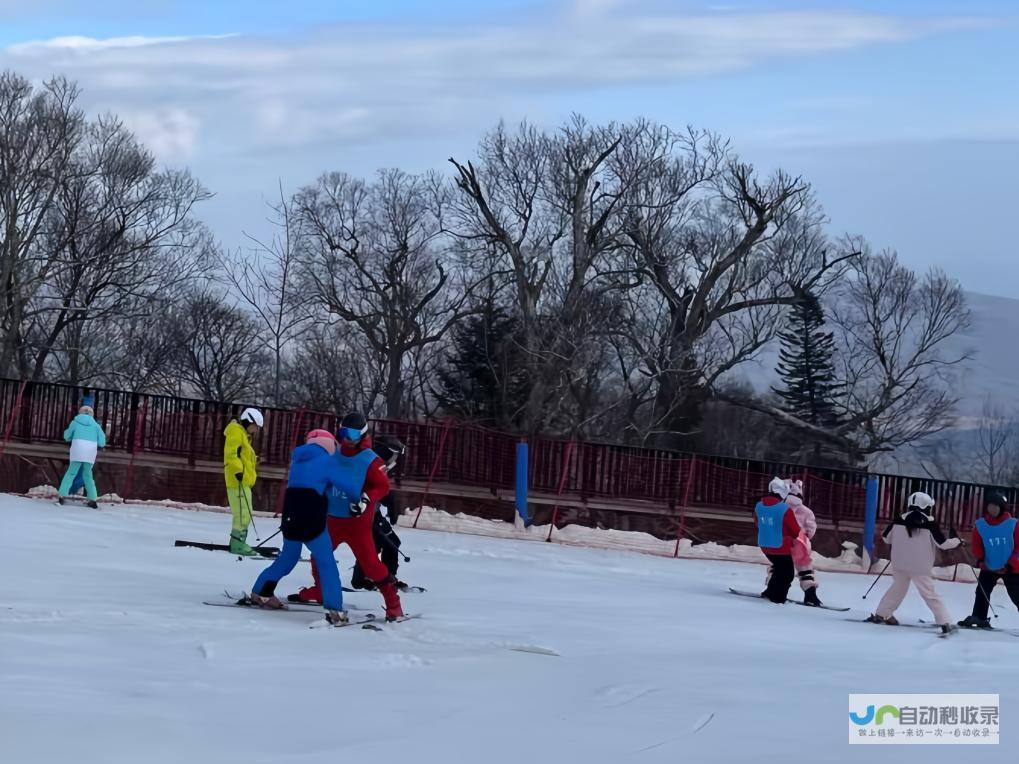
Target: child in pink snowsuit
914	537
801	547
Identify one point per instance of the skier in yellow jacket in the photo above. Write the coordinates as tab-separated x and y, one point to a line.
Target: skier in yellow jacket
239	461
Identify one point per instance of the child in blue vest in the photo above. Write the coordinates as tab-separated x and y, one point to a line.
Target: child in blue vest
777	531
996	548
387	543
313	472
352	512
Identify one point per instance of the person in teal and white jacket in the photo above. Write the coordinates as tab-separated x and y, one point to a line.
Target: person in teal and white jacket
86	438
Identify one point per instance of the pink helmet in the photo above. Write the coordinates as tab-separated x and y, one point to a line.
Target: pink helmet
322	438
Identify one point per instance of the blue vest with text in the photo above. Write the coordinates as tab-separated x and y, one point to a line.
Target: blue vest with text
354	469
769	524
998	541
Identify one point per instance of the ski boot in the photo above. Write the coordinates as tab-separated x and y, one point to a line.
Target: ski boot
92	504
394	609
61	500
810	597
337	617
309	595
271	602
358	580
889	621
239	544
972	622
948	628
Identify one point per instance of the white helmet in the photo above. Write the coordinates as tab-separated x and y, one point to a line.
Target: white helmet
921	501
254	416
778	487
795	487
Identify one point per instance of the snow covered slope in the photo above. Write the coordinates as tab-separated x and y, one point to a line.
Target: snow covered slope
107	655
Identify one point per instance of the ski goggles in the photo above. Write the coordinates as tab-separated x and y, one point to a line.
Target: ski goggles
351	434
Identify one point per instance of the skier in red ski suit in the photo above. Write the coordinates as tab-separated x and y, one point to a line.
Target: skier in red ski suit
351	517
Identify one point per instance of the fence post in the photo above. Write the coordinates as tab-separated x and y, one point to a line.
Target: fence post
136	444
435	468
683	503
562	484
194	433
14	415
870	522
521	482
295	433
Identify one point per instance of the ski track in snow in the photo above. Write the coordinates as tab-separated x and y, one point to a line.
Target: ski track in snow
525	652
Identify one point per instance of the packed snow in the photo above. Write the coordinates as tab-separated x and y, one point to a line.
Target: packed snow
524	652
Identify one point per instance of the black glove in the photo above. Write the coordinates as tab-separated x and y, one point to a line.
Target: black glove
357	508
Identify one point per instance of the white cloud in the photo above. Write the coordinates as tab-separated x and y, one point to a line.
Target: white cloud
170	133
89	44
204	96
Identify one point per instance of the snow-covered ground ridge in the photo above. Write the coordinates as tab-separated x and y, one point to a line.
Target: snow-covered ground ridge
432	519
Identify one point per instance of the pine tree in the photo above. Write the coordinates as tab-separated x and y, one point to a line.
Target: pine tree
810	389
482	377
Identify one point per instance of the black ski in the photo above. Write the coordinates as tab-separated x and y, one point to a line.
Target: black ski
988	630
401	619
921	625
264	551
757	595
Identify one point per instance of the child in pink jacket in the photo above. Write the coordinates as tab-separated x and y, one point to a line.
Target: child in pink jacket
801	547
914	536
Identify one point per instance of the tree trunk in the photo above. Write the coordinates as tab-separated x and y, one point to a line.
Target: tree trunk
394	384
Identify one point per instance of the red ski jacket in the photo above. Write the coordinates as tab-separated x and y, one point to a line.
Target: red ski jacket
376	481
790	527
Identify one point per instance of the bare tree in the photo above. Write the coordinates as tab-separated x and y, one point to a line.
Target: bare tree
331	369
40	129
217	351
891	327
121	238
376	255
544	211
996	444
719	253
266	280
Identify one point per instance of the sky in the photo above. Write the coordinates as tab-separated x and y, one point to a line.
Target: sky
903	115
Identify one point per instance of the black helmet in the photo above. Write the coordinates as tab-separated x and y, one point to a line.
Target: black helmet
353	427
997	498
388	448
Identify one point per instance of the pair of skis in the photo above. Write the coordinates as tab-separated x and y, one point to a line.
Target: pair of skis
758	595
367	621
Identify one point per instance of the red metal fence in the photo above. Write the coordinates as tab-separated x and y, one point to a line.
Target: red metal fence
449	452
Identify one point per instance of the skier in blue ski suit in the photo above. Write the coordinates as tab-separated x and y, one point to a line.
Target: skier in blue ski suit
313	471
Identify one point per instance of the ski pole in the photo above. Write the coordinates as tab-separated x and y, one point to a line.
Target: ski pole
262	544
878	578
396	548
251	515
970	561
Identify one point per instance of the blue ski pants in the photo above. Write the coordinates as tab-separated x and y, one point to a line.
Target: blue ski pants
321	548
